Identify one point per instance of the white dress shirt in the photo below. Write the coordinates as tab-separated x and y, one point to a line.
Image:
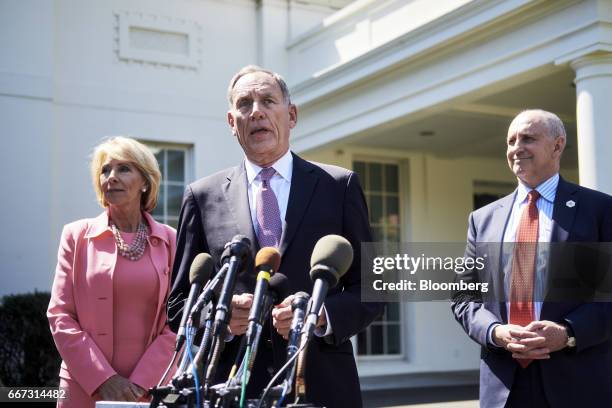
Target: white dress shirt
545	205
280	184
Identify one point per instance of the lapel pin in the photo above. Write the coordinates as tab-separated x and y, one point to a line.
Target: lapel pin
570	203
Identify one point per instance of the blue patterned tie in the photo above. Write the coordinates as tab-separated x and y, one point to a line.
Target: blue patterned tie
269	226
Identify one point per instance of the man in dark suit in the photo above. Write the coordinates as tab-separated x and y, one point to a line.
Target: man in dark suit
539	348
308	201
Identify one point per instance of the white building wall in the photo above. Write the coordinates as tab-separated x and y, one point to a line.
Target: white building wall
26	177
66	83
26	111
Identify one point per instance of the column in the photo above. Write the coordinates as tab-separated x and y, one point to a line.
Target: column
594	120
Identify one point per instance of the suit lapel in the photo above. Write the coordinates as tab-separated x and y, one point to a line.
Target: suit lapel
501	215
499	223
303	182
236	195
564	211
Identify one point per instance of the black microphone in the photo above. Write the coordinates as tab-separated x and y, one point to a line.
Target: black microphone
278	290
267	262
236	253
210	290
199	272
331	258
298	306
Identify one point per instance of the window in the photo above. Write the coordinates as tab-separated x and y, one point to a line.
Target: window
486	192
174	164
380	183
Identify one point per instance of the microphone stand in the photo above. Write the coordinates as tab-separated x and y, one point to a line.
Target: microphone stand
182	385
200	361
254	337
236	384
180	392
299	306
300	383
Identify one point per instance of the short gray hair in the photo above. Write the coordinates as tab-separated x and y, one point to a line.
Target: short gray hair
250	69
553	124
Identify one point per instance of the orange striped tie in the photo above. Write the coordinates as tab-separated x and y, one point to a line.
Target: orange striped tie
523	267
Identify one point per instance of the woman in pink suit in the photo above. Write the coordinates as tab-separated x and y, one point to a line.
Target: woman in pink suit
108	303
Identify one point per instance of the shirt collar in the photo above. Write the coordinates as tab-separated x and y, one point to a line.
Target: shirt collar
283	166
547	189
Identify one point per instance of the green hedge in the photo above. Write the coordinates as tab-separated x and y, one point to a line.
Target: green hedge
28	356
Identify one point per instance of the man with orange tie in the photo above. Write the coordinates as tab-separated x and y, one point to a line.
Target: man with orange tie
537	352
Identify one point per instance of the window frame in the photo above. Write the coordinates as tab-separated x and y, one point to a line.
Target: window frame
402	227
188	173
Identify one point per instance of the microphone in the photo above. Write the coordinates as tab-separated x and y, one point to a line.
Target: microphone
298	306
277	291
199	272
237	253
330	259
211	289
237	250
267	262
204	302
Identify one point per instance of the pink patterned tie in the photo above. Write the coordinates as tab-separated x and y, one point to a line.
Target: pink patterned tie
523	267
269	227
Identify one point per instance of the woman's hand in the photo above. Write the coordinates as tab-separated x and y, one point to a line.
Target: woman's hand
118	388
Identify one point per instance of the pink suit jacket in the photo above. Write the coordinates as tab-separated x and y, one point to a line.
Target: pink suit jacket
81	308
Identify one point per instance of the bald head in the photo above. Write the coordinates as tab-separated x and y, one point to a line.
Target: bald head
553	126
535	142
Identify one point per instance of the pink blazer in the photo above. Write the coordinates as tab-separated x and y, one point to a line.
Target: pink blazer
81	309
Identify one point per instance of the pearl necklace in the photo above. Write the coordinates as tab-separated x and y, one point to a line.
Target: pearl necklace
135	251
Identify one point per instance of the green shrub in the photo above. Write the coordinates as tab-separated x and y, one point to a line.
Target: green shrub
28	356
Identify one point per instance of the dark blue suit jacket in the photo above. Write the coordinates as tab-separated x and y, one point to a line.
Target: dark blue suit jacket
323	200
580	377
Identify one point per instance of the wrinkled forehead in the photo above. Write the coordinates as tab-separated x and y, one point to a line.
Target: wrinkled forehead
256	82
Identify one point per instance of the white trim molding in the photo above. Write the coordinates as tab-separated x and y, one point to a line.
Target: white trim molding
158	40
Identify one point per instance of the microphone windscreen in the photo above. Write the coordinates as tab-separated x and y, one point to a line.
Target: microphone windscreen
201	268
300	299
242	239
332	255
279	287
239	246
268	256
